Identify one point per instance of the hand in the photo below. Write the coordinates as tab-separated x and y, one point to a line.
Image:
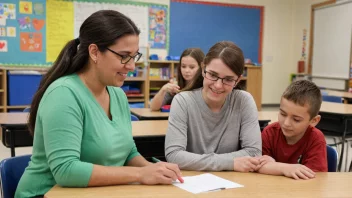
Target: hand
245	164
263	160
160	173
171	88
298	171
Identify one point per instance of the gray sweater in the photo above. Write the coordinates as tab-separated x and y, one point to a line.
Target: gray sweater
198	139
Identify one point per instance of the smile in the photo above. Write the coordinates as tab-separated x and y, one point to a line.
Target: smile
122	74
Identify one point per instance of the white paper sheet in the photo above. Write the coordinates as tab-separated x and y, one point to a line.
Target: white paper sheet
205	183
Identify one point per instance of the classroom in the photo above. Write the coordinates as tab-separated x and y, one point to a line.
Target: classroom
110	98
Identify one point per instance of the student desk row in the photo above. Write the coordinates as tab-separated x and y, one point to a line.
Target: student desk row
145	133
255	185
347	96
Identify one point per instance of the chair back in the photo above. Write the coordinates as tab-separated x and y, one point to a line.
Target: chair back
328	98
332	158
11	171
134	118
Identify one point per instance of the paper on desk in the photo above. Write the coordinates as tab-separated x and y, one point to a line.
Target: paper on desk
205	183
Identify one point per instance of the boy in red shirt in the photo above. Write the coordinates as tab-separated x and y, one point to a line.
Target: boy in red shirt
293	146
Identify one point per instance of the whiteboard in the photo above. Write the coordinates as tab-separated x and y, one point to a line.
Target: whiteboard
138	14
332	41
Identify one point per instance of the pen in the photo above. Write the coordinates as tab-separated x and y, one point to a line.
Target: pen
156	160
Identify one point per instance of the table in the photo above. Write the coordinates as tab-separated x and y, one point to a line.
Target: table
255	185
147	114
346	95
335	119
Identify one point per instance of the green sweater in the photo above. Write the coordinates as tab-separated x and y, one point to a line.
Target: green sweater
72	133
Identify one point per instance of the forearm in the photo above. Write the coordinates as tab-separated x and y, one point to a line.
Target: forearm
157	100
138	161
108	175
273	168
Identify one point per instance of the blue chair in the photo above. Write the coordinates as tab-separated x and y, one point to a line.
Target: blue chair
328	98
28	109
11	171
134	118
332	158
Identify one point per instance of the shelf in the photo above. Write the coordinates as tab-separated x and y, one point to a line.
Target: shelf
135	79
1	90
135	96
162	62
2	107
136	100
17	107
252	66
244	78
160	80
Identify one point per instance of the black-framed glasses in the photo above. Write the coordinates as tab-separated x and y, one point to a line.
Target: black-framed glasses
126	58
226	81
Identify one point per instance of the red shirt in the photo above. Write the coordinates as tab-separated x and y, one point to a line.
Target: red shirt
310	150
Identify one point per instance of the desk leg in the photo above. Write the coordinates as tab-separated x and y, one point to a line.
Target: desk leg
343	146
12	142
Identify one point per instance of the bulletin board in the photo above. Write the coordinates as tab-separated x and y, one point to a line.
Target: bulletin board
209	22
33	32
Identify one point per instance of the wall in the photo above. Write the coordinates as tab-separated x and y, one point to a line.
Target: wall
284	21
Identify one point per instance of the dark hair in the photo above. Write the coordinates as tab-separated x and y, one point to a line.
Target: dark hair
198	55
304	92
229	53
102	28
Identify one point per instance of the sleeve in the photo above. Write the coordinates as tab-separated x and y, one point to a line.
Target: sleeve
121	94
250	135
62	121
167	99
176	144
316	156
266	146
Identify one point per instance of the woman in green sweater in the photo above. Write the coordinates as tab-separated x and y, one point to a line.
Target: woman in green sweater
80	119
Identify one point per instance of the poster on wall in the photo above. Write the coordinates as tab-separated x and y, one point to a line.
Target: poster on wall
157	27
22	33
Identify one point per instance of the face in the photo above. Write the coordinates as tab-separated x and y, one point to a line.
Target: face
215	92
189	67
109	67
294	120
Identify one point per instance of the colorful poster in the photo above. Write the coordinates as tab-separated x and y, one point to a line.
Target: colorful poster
31	42
11	31
60	30
3	46
2	21
38	8
25	23
8	10
25	7
157	27
2	31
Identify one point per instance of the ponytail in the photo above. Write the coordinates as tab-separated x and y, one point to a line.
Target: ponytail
68	62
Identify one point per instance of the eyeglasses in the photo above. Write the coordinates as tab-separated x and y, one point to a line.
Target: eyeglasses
226	81
126	58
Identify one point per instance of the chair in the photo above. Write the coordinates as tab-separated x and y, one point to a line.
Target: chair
328	98
11	170
134	118
28	109
332	158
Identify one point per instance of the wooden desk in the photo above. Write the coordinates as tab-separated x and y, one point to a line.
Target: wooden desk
147	114
268	115
255	185
149	127
346	95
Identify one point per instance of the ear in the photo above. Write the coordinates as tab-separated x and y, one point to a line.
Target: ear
93	52
239	79
314	121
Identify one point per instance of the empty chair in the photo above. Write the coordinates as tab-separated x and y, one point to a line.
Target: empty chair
11	171
328	98
332	158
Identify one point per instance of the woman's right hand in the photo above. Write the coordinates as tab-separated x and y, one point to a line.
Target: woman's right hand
160	173
245	164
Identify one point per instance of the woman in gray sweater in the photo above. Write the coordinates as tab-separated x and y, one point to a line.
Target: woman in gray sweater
215	127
